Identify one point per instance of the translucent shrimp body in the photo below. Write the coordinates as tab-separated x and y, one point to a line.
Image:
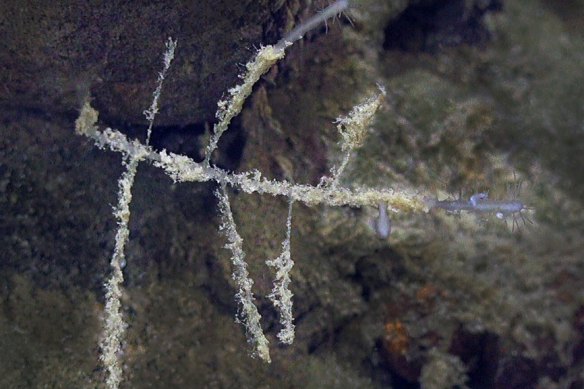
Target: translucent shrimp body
499	207
479	203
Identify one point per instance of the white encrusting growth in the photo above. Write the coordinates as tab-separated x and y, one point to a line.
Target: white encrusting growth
230	108
184	169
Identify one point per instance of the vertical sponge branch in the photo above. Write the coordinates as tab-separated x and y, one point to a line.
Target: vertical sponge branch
114	325
151	112
248	312
281	295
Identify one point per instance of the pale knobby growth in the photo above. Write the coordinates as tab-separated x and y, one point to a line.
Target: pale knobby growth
443	370
353	129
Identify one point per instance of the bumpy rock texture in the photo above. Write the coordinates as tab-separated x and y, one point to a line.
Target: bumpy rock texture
481	94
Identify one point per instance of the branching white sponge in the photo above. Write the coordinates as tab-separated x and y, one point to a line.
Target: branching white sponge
353	129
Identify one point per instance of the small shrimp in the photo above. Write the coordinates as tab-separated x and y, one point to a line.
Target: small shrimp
479	203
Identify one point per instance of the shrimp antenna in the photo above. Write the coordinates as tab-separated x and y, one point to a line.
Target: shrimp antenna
297	33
